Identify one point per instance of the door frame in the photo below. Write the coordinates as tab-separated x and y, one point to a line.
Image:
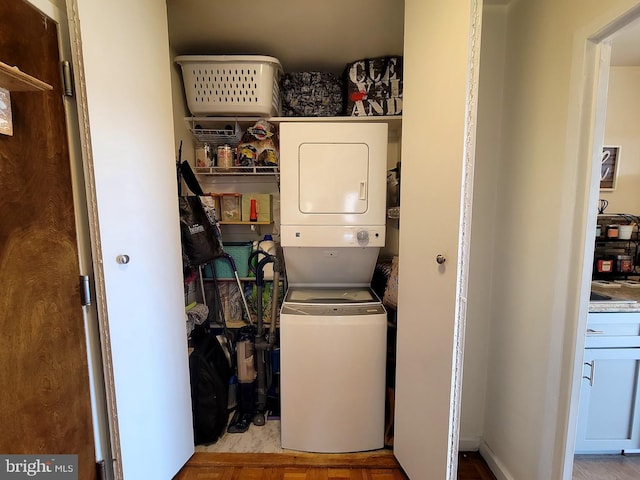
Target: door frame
592	52
455	332
57	13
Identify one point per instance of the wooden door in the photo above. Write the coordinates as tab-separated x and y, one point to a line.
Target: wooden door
44	395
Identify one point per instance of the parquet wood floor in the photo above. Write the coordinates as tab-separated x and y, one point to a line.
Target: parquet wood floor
471	466
303	466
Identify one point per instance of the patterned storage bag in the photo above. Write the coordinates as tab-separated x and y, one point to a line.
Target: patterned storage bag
374	87
311	94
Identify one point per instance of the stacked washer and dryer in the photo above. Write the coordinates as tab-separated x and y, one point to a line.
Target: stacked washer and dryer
333	327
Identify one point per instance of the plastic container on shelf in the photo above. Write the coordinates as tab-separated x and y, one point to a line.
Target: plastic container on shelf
231	207
231	84
625	231
224	157
240	253
624	263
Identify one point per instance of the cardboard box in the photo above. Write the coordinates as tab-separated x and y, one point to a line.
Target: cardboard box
263	204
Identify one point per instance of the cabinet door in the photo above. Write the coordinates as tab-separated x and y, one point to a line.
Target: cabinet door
136	234
438	130
607	420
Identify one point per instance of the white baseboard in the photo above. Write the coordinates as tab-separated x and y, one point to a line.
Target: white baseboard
469	444
496	466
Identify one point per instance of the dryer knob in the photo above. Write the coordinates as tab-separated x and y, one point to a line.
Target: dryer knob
363	237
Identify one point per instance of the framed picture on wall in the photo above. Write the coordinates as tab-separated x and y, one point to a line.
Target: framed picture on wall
6	122
609	167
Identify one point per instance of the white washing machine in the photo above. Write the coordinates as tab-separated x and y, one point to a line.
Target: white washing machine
333	327
332	361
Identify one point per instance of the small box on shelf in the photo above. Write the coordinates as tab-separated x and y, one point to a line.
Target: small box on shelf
230	207
263	207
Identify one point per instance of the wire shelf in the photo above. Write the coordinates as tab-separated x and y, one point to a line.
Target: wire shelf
239	170
224	136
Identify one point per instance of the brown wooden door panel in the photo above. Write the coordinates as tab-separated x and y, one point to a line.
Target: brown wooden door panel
44	397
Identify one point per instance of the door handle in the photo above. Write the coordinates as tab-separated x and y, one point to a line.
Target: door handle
122	259
363	190
591	331
592	374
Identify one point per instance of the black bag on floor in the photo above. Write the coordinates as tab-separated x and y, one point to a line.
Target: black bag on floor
210	373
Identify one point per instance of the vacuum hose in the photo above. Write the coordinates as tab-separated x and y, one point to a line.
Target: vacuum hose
262	344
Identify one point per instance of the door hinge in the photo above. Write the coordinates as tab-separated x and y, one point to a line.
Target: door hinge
101	473
67	78
85	290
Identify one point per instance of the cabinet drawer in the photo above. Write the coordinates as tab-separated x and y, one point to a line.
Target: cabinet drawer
613	330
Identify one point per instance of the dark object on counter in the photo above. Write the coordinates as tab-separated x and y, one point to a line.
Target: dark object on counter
624	263
374	87
598	297
603	204
311	94
604	264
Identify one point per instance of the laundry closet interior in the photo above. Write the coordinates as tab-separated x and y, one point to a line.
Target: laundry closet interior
335	315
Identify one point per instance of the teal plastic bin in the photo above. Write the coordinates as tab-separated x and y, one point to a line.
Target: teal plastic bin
240	253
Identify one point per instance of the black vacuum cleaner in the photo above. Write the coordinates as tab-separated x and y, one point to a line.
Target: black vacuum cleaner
252	345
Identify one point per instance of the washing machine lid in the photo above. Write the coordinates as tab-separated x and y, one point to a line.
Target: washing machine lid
331	295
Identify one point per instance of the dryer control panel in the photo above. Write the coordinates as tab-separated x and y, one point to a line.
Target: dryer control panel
335	236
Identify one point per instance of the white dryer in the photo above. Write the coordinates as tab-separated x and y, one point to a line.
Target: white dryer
332	325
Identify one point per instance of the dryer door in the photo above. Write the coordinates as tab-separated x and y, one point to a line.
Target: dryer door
333	173
344	188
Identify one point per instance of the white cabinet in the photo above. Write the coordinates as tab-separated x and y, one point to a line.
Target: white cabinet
608	421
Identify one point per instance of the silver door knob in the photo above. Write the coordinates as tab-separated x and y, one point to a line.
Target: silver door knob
122	259
440	259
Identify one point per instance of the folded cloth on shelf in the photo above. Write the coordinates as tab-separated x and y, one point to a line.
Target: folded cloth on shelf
196	316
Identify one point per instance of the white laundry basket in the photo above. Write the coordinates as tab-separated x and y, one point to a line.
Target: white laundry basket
231	85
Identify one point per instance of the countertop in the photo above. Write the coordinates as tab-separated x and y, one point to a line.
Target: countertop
623	293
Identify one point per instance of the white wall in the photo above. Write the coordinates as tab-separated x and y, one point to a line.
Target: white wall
621	129
541	217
